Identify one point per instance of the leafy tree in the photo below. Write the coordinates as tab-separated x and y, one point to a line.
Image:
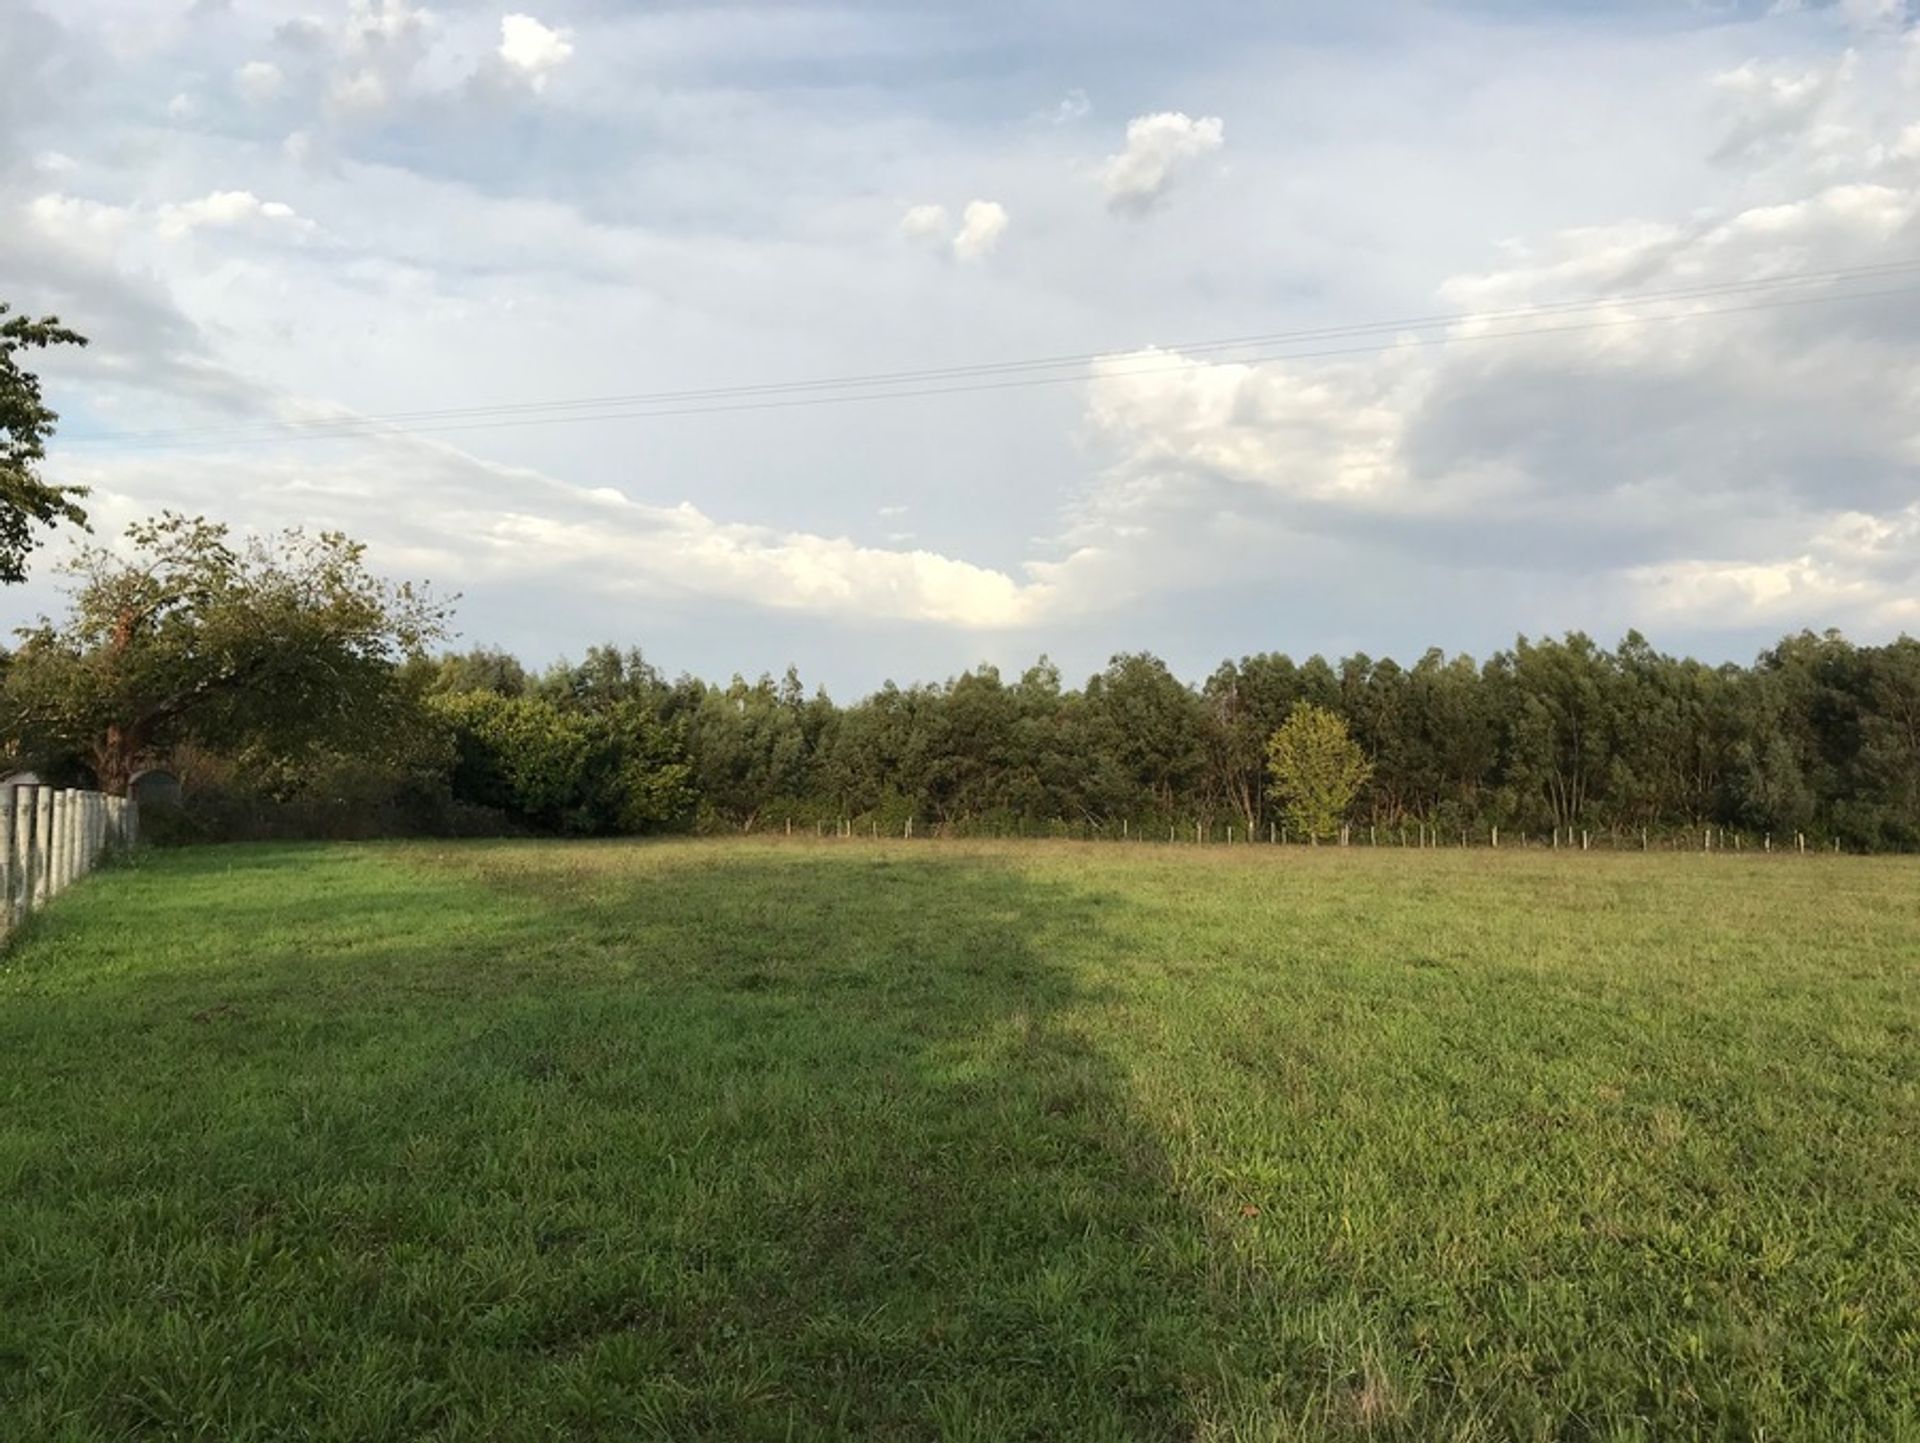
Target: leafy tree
606	677
26	501
1148	723
750	745
483	668
615	770
1317	769
1560	703
283	646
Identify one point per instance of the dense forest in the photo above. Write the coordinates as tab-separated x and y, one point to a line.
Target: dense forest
1819	736
293	691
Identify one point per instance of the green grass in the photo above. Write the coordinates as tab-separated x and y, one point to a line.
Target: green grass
829	1140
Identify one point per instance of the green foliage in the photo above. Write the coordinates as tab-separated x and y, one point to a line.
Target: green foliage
1317	769
484	668
282	647
763	1142
750	745
617	769
28	503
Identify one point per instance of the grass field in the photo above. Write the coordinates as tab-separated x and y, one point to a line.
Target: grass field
828	1140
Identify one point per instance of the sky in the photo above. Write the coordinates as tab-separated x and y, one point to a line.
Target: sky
1570	316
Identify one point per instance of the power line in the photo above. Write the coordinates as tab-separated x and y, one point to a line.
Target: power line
1012	375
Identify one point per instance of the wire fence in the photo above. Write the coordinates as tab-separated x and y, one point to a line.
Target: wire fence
51	837
1414	835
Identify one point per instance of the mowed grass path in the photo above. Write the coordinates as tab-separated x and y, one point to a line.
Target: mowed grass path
924	1140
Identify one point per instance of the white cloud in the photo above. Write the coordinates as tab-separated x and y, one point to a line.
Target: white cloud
300	147
532	50
925	223
1771	107
1740	461
84	225
375	52
259	81
1863	568
1159	148
981	227
982	224
225	210
1074	106
473	522
182	107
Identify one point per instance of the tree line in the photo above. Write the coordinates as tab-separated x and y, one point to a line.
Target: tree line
291	689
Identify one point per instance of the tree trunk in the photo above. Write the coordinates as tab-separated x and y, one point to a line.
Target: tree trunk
114	757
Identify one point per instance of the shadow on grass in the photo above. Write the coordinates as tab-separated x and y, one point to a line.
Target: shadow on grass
489	1143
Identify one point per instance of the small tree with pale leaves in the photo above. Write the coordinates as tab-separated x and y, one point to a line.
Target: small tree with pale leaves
1317	769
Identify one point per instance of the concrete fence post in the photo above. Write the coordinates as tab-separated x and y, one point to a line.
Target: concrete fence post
22	850
51	847
26	804
76	834
62	840
9	868
43	845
